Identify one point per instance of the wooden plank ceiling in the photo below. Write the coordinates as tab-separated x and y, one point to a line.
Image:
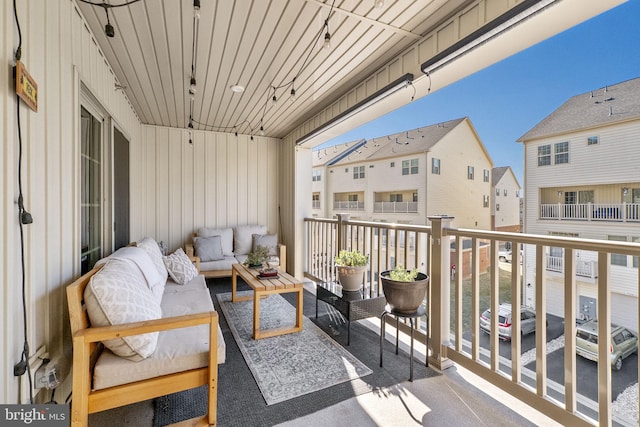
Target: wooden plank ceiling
259	44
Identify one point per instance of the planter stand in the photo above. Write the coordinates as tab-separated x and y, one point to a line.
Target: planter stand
421	311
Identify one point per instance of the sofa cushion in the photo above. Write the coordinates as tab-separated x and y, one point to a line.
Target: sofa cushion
119	294
269	241
243	237
181	268
177	350
223	264
151	247
225	233
208	248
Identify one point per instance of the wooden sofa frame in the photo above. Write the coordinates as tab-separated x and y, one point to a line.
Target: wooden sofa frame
87	347
190	251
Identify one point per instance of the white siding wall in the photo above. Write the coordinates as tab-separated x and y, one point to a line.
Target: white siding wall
60	53
509	213
451	192
609	162
218	181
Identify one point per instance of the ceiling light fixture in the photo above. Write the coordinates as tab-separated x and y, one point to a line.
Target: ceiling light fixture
379	4
236	88
327	38
383	93
261	130
108	28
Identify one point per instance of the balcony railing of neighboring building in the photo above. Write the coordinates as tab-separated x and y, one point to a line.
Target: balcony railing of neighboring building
395	207
315	204
617	212
348	206
454	316
587	269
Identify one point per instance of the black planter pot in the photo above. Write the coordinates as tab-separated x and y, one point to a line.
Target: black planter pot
404	297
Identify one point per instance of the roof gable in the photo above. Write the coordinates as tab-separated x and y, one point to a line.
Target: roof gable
604	106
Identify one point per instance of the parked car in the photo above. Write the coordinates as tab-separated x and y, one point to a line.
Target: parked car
504	256
527	321
623	343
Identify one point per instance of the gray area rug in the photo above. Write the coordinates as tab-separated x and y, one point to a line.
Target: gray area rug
291	365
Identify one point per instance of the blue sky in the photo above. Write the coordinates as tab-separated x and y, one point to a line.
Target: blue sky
507	99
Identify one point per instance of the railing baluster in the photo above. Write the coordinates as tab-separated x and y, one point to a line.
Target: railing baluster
516	301
569	331
541	316
475	299
495	302
604	340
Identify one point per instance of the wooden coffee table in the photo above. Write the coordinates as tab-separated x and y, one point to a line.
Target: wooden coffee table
284	283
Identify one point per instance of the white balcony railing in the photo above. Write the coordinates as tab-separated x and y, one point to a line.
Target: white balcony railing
583	268
617	212
395	207
454	305
348	206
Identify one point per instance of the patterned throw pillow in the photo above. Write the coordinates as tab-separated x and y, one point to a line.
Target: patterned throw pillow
119	294
180	267
151	247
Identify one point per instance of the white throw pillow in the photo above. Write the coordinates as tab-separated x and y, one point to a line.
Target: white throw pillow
243	237
118	294
208	248
151	247
180	267
225	233
269	241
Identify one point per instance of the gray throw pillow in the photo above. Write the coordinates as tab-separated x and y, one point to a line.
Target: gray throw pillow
269	241
208	248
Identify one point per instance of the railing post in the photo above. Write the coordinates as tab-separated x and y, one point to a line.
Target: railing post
440	292
342	232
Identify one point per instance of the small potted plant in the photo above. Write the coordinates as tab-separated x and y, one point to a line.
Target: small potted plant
351	266
257	257
404	289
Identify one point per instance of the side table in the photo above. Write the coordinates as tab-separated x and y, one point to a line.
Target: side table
421	311
353	305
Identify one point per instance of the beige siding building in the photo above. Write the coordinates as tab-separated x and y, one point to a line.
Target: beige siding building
582	180
408	176
505	206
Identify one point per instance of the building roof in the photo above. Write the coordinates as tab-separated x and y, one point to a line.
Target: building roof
498	172
604	106
398	144
328	155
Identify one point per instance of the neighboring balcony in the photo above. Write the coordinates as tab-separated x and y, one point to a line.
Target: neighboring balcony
395	207
588	269
348	202
609	212
405	201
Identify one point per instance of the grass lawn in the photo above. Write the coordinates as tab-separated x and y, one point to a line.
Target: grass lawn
485	296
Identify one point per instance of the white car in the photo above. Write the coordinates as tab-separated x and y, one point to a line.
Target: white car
504	256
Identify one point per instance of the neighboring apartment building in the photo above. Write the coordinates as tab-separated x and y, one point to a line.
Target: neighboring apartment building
505	208
582	179
406	177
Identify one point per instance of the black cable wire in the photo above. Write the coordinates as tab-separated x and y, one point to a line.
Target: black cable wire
107	5
25	350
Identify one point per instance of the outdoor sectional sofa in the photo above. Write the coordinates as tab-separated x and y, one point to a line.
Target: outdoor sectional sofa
143	326
217	249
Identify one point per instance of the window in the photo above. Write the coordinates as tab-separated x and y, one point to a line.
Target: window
392	164
497	206
353	197
592	140
358	172
91	206
470	172
415	197
618	259
435	166
395	197
505	192
635	258
486	175
562	152
410	167
316	175
544	155
485	201
497	191
315	197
